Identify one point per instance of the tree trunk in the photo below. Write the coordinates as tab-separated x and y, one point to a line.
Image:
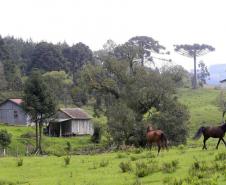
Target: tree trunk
195	75
4	152
36	135
40	137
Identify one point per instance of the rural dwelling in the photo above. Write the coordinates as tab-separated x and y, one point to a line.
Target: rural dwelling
70	122
11	112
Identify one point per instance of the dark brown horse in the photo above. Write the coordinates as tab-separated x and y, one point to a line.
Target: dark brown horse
214	132
156	136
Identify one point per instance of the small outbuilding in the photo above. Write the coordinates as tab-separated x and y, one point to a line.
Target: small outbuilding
11	112
70	122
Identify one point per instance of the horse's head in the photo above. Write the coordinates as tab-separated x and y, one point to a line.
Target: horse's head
149	128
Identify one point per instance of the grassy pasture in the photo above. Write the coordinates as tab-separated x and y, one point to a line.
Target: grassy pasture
203	107
103	169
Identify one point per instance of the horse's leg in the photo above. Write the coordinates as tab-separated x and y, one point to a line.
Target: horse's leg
223	141
159	147
204	143
150	145
218	143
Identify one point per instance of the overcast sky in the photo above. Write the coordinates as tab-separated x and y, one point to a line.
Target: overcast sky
93	22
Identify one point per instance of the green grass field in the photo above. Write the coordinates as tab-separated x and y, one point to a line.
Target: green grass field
103	169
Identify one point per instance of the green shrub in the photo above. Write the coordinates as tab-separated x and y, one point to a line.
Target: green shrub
200	169
20	162
125	166
138	150
121	155
189	181
3	182
169	167
220	156
97	132
142	169
137	182
104	163
94	166
133	158
150	155
5	139
67	160
28	135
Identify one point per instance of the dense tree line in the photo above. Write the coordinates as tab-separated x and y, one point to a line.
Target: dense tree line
121	82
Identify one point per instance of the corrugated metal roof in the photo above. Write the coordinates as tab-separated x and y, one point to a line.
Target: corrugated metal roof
76	113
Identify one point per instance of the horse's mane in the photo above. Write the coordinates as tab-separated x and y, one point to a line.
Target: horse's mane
224	127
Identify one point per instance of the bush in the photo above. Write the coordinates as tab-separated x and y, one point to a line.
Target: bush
137	182
134	158
68	147
104	163
173	121
142	169
189	181
3	182
20	162
5	139
94	166
67	160
150	155
121	155
169	167
28	135
125	166
97	132
220	156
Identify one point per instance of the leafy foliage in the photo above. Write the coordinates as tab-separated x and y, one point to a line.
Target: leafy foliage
173	119
97	132
128	94
194	51
5	138
203	73
39	103
47	57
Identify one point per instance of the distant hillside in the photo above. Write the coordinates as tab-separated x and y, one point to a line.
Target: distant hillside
217	73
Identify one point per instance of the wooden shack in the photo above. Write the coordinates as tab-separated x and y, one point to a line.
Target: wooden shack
70	122
11	112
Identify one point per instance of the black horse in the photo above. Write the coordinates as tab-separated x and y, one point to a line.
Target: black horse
214	132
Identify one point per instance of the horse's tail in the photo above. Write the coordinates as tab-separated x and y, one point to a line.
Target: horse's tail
199	133
164	139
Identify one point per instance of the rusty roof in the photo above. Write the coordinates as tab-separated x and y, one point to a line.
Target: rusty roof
76	113
17	101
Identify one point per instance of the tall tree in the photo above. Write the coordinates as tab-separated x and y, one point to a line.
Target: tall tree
78	55
39	103
47	57
60	84
194	51
3	82
4	53
147	46
203	73
13	76
132	94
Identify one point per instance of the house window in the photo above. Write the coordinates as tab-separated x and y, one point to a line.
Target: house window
15	114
